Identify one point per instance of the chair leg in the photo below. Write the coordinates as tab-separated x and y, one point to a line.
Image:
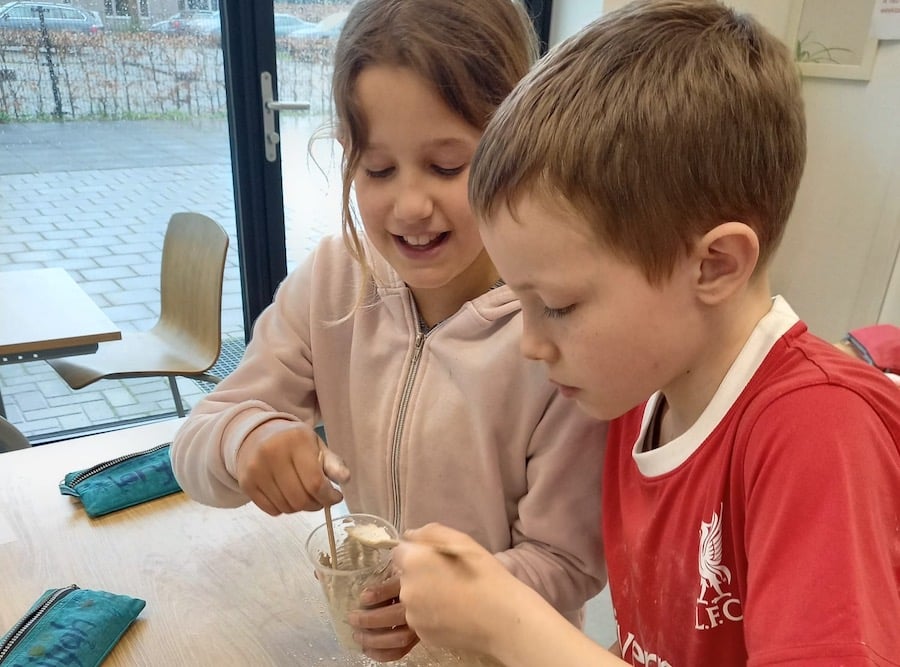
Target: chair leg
173	385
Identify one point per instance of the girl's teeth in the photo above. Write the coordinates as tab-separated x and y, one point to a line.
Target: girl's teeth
421	240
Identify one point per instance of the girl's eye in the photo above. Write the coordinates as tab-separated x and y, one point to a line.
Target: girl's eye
448	171
555	313
379	173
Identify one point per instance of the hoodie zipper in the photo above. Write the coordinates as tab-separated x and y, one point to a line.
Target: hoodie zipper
106	465
394	472
20	629
398	430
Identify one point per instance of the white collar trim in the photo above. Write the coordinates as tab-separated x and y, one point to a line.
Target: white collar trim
767	332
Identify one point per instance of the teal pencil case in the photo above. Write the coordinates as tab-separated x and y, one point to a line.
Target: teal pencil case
69	626
122	482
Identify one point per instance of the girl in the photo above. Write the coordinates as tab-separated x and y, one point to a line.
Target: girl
401	339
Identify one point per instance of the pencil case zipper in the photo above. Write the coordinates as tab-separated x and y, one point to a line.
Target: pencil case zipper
21	628
106	465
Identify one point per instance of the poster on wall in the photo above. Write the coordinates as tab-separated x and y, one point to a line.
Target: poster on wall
832	38
886	19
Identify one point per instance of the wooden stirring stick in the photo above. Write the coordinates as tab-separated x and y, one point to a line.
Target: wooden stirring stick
328	526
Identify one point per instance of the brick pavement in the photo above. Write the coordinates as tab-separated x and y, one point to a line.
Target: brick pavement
94	198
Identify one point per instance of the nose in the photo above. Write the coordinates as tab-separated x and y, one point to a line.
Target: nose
534	344
412	202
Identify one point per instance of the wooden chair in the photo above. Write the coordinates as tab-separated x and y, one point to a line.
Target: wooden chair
11	438
187	338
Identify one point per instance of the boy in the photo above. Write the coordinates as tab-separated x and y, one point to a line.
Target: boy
632	191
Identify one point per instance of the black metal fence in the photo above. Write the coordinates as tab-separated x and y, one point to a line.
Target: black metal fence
139	75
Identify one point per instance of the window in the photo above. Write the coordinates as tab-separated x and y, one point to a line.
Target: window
120	7
209	5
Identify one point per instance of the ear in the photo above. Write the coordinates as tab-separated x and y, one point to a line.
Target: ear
727	255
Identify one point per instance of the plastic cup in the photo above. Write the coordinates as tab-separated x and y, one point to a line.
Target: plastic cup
357	567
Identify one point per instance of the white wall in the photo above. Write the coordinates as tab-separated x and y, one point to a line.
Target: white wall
836	263
569	15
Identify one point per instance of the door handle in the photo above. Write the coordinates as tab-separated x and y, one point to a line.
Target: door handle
270	106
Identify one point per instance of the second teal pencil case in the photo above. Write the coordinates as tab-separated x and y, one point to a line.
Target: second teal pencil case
69	626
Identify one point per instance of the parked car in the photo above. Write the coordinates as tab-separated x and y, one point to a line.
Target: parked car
27	16
329	27
287	23
206	25
284	25
190	21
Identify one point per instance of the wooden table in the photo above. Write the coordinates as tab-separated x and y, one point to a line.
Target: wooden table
44	314
222	586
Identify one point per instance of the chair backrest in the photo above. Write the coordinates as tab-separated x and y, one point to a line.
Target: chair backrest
11	438
193	267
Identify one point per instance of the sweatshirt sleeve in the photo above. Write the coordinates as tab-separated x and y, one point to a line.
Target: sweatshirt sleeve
557	546
274	381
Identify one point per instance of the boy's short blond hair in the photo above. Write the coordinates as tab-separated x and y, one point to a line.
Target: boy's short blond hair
654	123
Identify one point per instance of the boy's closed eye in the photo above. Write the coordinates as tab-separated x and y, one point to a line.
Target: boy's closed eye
448	171
533	303
555	313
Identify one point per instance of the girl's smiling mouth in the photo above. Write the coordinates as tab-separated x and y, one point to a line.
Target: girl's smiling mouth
421	242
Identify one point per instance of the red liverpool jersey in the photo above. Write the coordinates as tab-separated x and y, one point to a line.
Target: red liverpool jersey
769	532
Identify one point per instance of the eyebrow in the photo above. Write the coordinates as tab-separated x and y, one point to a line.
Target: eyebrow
446	142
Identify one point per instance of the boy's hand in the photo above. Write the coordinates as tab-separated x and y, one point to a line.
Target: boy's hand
468	600
278	468
455	601
380	625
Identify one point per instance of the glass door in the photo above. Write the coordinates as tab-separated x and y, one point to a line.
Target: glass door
310	157
114	115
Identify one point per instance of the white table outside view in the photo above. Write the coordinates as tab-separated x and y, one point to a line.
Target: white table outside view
45	314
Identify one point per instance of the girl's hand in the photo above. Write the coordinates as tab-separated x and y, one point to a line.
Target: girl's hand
380	625
278	468
453	601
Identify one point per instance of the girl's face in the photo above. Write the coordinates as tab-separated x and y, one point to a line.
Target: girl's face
411	190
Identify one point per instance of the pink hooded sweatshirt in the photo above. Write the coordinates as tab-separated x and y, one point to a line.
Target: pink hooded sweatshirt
452	425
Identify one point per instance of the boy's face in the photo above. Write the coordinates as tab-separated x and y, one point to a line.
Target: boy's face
608	337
